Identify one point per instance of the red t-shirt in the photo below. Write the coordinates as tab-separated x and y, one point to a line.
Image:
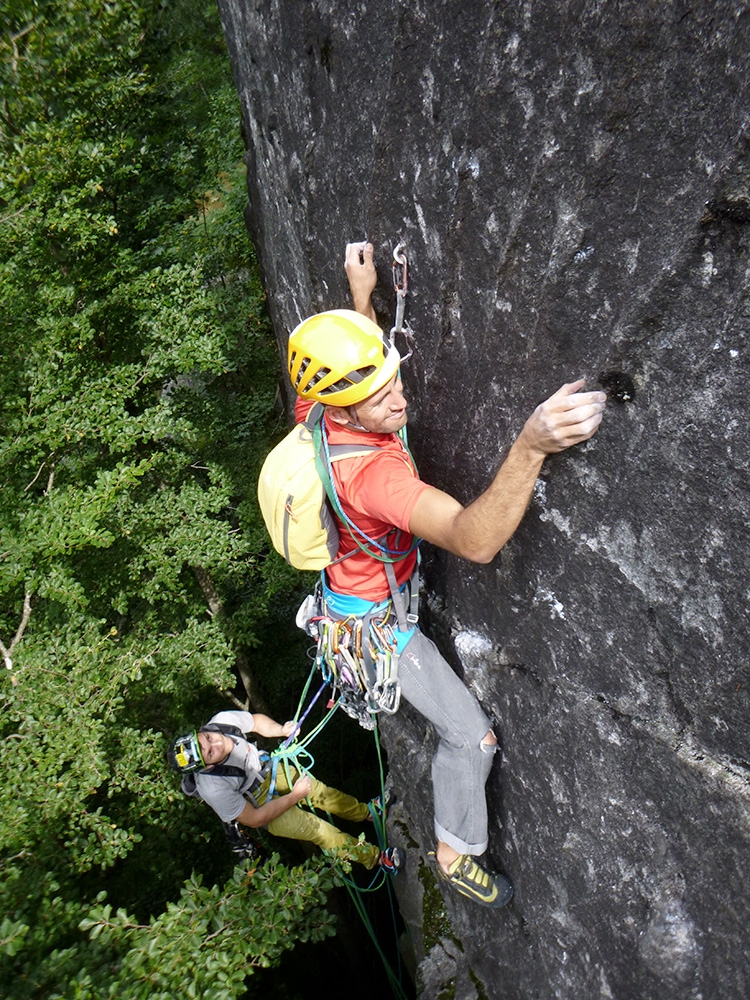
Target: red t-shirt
378	492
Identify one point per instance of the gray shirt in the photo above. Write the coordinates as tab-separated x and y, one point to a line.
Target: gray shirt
224	793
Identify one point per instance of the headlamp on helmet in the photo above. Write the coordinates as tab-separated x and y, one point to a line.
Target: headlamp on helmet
185	753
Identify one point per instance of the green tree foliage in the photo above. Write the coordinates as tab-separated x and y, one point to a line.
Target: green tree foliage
136	399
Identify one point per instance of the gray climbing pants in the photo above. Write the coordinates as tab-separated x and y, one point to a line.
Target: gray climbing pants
460	768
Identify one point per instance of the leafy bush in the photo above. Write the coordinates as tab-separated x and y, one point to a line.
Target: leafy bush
137	392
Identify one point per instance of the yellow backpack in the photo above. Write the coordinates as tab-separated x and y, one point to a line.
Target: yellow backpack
292	496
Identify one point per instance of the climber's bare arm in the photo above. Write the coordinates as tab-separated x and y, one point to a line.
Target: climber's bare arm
479	531
360	270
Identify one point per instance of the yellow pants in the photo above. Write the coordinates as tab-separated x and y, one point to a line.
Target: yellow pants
299	824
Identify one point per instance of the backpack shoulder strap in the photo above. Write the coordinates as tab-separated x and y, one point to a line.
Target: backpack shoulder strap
224	771
222	727
314	416
335	453
371	547
190	787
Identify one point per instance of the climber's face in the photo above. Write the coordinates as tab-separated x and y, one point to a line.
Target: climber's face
382	413
215	747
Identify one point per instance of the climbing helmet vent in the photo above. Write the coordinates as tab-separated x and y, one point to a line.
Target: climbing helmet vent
350	379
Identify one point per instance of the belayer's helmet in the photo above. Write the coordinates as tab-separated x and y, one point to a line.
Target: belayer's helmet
185	753
340	357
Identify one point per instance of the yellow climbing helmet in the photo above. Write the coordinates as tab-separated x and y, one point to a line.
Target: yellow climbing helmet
340	358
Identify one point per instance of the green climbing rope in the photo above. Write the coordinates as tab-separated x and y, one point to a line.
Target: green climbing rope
295	753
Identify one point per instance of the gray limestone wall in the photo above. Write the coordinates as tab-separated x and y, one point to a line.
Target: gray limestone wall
571	180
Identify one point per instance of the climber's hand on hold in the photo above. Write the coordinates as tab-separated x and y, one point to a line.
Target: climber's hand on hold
566	418
478	531
360	270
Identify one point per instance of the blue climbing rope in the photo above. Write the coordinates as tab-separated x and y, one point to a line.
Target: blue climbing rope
371	546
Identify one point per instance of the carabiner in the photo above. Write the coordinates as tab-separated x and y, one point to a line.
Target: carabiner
400	271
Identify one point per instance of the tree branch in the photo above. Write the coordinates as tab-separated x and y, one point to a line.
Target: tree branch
15	56
210	592
243	706
13	215
39	472
216	608
7	653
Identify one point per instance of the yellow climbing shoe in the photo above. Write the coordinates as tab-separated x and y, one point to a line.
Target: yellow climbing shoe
469	877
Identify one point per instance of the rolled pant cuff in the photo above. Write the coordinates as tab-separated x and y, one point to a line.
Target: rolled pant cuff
459	845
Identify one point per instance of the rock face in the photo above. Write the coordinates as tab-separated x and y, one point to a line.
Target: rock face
571	179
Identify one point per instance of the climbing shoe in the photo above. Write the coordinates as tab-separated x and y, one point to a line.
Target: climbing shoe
391	860
469	877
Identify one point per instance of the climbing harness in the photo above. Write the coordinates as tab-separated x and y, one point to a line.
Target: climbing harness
357	657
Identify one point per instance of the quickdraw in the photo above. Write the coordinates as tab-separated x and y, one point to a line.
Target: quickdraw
401	287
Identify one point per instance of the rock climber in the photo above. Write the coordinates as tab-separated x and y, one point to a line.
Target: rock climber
341	359
220	766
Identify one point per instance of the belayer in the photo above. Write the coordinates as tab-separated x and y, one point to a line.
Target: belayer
340	359
220	766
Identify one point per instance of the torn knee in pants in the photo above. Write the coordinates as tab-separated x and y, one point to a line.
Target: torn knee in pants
489	747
